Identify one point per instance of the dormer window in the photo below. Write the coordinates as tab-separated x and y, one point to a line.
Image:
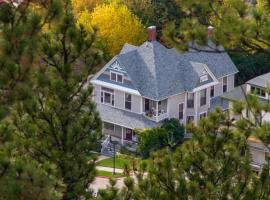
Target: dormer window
204	78
117	77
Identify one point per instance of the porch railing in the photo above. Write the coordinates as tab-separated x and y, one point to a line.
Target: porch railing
158	118
105	143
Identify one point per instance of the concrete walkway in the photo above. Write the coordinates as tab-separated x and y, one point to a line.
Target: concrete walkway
102	158
109	169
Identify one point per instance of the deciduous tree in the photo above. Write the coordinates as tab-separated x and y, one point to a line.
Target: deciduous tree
116	26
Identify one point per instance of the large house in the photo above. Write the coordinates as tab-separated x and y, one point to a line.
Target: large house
256	86
145	85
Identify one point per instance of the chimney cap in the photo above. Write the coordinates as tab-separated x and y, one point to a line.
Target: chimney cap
152	33
210	31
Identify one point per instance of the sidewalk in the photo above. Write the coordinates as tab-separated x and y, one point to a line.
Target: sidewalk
109	169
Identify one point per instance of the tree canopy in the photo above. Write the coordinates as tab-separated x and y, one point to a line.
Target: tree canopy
116	26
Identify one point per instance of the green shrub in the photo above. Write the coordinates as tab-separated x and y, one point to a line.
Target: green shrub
169	134
175	132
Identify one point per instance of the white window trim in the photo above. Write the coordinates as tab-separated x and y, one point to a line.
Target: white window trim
223	83
258	95
183	111
117	73
194	100
125	101
111	93
214	92
205	98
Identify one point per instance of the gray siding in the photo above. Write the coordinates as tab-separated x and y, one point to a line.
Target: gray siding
96	93
173	105
202	109
136	104
218	88
230	82
119	99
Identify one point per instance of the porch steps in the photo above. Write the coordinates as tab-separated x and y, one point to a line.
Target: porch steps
108	150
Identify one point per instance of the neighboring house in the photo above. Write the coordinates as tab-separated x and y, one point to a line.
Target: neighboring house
259	153
143	86
256	86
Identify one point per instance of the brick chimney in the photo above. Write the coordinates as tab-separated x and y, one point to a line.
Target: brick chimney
210	31
152	33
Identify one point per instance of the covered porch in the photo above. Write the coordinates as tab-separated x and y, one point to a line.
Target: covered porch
155	110
119	133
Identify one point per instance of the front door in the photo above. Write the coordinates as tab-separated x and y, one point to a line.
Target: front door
128	134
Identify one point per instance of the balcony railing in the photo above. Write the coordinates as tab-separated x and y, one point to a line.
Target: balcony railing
156	118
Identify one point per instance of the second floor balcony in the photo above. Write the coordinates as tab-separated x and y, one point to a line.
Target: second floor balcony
155	110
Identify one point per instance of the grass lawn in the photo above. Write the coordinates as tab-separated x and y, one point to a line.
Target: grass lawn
109	174
119	162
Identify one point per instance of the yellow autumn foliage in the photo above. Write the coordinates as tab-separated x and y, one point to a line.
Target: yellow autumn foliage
116	26
79	6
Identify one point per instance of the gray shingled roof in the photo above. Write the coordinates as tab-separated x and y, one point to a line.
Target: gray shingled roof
157	72
237	94
218	102
124	118
261	81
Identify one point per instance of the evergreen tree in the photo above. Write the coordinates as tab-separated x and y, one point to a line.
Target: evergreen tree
214	164
21	25
238	24
58	124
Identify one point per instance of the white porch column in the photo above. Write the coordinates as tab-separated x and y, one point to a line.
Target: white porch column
156	110
122	138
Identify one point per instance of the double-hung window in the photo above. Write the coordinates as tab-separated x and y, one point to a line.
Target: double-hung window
117	77
127	101
107	96
190	100
212	91
203	97
225	84
181	111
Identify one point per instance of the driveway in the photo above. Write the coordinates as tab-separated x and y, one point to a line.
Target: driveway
102	183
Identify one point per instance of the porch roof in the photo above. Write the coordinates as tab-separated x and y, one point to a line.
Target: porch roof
125	118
